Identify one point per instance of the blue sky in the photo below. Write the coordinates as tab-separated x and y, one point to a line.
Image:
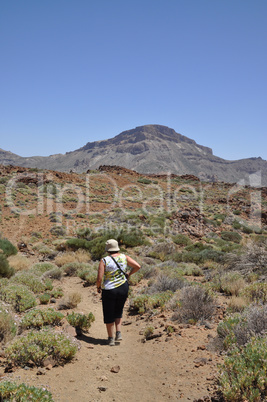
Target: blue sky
77	71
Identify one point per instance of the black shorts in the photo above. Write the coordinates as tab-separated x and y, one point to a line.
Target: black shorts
113	301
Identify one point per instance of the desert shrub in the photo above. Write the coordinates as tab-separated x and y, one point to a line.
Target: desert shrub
256	292
55	273
231	236
11	391
81	321
56	293
44	298
72	257
18	296
144	180
247	229
192	270
237	304
232	283
239	328
196	304
29	279
198	246
181	240
58	230
199	256
19	262
7	325
162	251
71	268
164	283
243	376
41	267
145	302
252	259
7	247
236	225
75	244
70	301
88	274
37	318
148	331
131	239
5	270
37	346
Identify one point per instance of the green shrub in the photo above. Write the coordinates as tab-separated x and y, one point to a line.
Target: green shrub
89	275
148	331
10	391
44	298
256	292
75	244
5	270
192	270
19	296
144	180
239	328
247	229
81	321
181	240
29	279
243	376
231	236
37	346
37	318
7	325
7	247
145	302
41	267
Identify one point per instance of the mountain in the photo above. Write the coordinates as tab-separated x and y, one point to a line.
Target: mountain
148	149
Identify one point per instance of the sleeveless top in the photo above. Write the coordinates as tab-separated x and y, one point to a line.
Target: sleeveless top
113	277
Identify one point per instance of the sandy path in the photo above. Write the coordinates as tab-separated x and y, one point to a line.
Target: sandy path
158	370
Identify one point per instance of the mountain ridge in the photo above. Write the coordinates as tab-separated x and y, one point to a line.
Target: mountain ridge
148	149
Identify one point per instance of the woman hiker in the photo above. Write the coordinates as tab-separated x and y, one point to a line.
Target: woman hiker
115	287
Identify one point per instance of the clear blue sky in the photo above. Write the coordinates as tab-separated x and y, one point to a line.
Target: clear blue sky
77	71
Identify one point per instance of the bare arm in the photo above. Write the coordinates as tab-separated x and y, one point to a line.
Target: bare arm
133	264
101	270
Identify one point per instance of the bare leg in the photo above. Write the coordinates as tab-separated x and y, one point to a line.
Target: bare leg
118	324
110	328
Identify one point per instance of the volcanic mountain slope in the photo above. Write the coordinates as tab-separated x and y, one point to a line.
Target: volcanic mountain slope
150	149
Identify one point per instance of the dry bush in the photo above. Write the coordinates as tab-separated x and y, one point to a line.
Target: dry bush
72	256
232	283
253	259
70	301
55	273
7	325
237	304
19	262
164	283
196	304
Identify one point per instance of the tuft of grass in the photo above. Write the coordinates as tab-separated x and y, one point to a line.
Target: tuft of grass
70	301
19	262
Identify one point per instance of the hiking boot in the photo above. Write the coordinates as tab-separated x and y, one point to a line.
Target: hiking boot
118	336
111	341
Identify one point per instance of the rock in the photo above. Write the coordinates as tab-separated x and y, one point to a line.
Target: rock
40	371
49	361
102	389
201	347
115	369
103	378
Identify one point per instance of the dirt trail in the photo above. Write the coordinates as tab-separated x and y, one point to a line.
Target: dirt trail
175	368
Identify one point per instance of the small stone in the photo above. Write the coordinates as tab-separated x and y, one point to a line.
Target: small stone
40	371
201	347
103	378
115	369
102	389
